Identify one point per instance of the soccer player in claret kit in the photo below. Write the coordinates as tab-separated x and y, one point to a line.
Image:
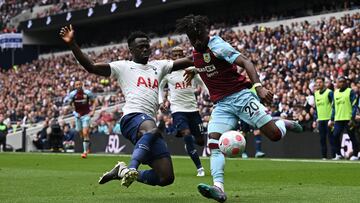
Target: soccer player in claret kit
216	61
82	99
184	111
139	80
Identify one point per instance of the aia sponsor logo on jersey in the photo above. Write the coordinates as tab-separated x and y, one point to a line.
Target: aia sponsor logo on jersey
182	85
147	82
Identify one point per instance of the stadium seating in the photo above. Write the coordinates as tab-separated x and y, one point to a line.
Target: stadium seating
288	58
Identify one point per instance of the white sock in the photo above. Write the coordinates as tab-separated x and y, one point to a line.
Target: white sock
281	125
86	144
219	185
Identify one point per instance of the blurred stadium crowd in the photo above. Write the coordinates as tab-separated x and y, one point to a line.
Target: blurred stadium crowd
288	59
11	8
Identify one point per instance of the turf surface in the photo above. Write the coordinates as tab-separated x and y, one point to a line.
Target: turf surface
38	177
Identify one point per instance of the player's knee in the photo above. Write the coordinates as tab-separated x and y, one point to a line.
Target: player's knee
168	180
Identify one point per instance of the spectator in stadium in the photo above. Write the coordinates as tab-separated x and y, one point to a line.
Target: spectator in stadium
324	98
276	52
279	68
343	113
3	133
56	135
104	117
69	138
41	139
84	103
357	119
103	127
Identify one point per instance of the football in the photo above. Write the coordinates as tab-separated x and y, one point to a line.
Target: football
232	143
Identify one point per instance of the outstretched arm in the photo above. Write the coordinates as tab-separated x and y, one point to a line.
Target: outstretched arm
182	63
102	69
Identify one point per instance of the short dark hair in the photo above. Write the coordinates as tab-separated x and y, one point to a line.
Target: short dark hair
136	34
342	78
192	23
320	78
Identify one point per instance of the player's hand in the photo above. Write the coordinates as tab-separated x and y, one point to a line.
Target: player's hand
67	34
331	124
91	114
163	107
188	76
264	94
315	124
357	118
351	123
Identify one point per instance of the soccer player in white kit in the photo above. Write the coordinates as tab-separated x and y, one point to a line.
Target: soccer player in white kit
184	111
139	80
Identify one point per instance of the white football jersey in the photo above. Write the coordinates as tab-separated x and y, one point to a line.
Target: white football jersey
140	84
182	97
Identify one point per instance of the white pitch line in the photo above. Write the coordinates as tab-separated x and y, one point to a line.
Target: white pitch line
317	161
186	157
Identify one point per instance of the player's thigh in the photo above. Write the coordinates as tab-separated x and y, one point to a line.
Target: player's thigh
222	119
148	126
181	123
133	125
85	121
78	124
251	111
195	124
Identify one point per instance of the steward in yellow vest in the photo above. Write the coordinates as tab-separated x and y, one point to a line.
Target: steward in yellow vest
344	111
323	105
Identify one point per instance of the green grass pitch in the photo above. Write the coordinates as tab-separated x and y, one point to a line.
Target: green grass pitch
52	178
